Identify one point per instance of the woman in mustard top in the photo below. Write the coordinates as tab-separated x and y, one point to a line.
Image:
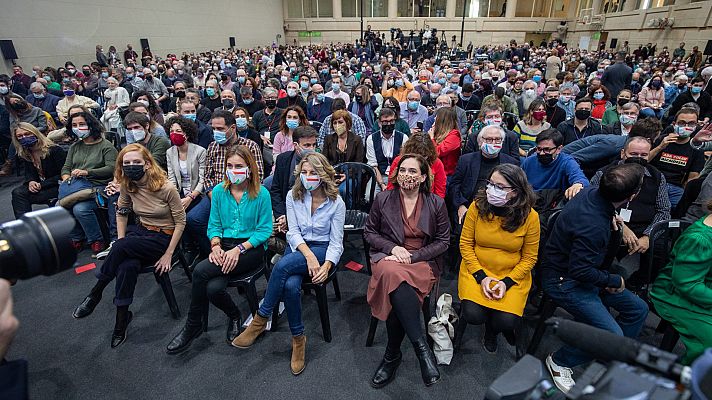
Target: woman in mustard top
499	245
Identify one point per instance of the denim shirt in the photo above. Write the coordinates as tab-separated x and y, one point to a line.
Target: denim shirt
325	225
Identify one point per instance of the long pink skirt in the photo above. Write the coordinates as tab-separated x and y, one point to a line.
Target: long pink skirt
388	275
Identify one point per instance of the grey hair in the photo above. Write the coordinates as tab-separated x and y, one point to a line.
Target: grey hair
112	79
36	85
629	105
269	90
530	82
496	127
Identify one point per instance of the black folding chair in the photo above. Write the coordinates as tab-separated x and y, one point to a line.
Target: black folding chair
164	281
358	196
662	236
472	116
510	119
316	125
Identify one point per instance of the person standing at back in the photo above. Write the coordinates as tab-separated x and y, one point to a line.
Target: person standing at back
616	77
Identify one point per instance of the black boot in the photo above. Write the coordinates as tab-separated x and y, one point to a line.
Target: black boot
184	338
428	363
90	302
123	319
234	328
386	371
489	341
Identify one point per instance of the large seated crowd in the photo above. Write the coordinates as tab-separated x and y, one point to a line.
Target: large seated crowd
519	167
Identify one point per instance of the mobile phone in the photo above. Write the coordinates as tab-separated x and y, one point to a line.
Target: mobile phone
419	124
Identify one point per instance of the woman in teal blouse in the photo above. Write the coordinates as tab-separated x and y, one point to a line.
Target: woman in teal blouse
682	292
239	226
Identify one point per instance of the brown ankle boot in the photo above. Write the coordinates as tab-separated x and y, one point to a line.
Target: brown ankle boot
299	346
249	335
6	169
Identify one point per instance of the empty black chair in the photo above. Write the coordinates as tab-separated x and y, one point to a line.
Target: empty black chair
164	281
510	120
358	197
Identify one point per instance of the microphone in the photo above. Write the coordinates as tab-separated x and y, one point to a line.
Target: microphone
599	343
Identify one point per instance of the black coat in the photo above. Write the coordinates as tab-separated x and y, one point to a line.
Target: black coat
51	166
616	78
510	145
704	101
461	189
281	184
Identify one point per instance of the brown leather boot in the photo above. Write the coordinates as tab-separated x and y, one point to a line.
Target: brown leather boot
299	347
6	169
249	335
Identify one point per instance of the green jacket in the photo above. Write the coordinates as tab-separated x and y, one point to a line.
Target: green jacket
610	116
684	285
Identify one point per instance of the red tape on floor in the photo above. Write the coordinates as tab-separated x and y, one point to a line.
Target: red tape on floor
84	268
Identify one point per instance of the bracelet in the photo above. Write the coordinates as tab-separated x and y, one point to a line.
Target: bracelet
191	195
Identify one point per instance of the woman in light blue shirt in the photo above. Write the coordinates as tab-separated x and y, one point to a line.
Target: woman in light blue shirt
315	217
239	226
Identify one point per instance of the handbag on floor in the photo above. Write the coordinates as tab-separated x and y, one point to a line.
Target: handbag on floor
441	330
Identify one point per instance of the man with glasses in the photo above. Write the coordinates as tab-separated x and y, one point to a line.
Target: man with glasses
492	115
413	112
675	157
474	168
581	125
550	169
626	119
383	146
267	120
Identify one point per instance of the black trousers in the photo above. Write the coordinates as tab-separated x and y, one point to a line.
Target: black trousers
128	256
23	199
210	284
495	321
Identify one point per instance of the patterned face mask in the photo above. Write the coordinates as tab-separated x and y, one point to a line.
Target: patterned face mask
408	182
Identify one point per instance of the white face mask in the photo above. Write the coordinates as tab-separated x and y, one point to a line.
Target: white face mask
238	175
495	196
310	182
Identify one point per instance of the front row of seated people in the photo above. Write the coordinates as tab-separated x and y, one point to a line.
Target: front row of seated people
408	230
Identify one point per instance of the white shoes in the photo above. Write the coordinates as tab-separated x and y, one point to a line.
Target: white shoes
102	254
562	376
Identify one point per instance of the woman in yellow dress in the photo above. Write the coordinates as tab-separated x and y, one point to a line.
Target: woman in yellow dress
499	245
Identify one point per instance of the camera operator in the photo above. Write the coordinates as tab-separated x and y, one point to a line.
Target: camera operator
13	374
573	267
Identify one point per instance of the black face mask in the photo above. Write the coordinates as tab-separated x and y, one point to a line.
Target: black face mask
358	98
19	106
180	94
149	77
637	160
545	159
133	172
228	103
622	102
271	103
551	102
582	114
387	129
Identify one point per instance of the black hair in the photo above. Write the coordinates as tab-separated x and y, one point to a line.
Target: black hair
190	129
550	134
648	128
518	208
620	182
226	115
584	100
135	117
338	104
303	132
387	112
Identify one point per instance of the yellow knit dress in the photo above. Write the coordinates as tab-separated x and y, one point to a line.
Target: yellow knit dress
485	245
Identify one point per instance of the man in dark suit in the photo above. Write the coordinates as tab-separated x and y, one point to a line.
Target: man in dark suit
318	106
617	76
282	179
473	170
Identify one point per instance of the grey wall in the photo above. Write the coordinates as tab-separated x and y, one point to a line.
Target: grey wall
50	32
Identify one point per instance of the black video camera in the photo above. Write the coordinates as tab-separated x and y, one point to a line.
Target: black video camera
37	244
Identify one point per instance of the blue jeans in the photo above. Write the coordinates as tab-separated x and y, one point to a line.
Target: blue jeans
267	182
675	194
197	225
285	283
649	112
88	224
589	304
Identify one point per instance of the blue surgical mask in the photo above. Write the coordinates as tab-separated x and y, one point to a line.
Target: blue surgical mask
320	97
241	79
248	101
104	75
536	78
399	82
598	96
292	123
190	117
413	105
695	90
454	86
313	81
210	92
442	81
241	123
38	95
129	76
304	85
219	137
335	87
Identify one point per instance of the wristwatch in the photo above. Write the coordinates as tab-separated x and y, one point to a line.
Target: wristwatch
242	248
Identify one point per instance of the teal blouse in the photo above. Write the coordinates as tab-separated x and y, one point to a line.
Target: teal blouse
251	218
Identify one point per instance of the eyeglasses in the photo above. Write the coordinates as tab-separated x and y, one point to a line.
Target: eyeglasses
546	150
498	186
686	124
492	140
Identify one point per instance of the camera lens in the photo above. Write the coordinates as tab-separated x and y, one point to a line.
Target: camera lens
37	244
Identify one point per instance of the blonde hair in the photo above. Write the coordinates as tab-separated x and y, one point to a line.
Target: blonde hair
253	182
325	172
156	176
42	140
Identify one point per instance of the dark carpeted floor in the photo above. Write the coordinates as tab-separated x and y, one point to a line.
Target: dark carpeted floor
72	359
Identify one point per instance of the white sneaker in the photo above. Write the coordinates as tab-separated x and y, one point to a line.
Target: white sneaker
561	375
102	254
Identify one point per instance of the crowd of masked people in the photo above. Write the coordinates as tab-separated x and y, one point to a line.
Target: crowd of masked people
217	154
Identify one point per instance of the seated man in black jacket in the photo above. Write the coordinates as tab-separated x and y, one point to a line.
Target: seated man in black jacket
473	169
492	115
304	138
582	124
574	273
